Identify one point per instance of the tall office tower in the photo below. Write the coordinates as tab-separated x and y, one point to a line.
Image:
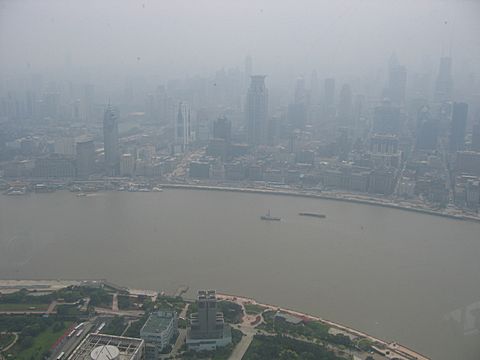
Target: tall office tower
427	130
256	110
88	102
85	158
386	119
329	99
314	88
300	91
397	82
207	329
345	106
222	129
110	141
476	137
248	71
444	82
458	127
183	126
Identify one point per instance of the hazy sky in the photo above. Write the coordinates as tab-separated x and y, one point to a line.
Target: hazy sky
189	36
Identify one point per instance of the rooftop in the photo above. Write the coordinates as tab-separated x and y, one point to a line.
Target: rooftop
99	346
158	321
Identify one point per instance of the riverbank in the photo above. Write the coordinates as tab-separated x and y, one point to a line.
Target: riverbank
396	350
334	196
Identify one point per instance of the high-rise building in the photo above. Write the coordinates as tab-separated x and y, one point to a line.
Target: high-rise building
476	137
300	91
110	141
386	119
248	70
127	165
183	126
397	82
444	81
427	130
458	127
222	129
85	158
345	106
257	110
329	99
207	329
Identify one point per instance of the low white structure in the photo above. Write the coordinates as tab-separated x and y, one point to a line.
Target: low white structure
158	331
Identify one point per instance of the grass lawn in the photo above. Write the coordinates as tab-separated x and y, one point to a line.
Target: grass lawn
253	309
23	307
5	340
41	343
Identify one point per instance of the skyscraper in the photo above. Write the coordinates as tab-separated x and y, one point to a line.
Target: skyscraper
222	129
444	81
329	99
397	82
458	127
476	137
85	158
183	126
256	110
386	119
110	141
345	106
248	70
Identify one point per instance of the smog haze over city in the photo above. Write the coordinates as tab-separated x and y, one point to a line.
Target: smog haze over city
317	159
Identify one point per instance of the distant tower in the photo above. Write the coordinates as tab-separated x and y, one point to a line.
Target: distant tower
256	110
314	88
222	129
397	82
444	82
183	126
345	106
476	137
85	158
248	70
300	91
110	140
458	127
329	99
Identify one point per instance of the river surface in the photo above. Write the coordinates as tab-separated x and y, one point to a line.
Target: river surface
395	274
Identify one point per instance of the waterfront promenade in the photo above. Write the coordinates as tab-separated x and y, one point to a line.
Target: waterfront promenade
336	196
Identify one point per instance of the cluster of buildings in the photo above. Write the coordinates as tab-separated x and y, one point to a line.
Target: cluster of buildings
406	137
206	331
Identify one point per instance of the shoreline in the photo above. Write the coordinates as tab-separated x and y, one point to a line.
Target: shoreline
342	197
404	352
396	348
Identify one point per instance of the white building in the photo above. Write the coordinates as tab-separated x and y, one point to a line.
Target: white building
184	134
158	331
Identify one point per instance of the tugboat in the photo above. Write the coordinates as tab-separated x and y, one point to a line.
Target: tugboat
268	217
317	215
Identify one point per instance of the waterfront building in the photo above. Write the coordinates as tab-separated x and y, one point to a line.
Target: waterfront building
110	141
100	346
158	332
55	166
127	165
199	170
256	110
207	329
85	158
458	127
